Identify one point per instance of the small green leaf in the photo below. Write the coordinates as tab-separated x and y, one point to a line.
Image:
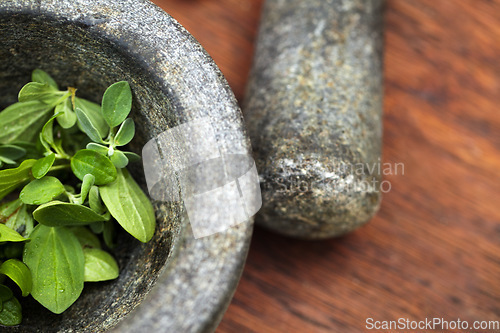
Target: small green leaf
5	293
97	227
58	213
30	148
88	182
98	148
69	189
87	126
42	77
95	202
47	134
129	206
7	209
12	151
10	179
7	160
43	165
86	238
93	111
119	159
9	235
67	117
18	272
19	220
23	121
108	234
132	157
99	266
116	103
11	314
55	259
87	161
43	92
41	191
125	133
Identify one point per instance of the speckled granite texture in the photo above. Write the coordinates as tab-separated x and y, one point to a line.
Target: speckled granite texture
174	283
313	109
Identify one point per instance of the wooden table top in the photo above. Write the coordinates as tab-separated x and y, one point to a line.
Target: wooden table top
433	250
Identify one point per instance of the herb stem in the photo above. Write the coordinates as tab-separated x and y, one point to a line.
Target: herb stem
65	95
59	167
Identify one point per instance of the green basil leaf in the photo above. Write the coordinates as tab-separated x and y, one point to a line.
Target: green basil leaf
43	165
119	159
11	314
67	117
88	182
108	234
93	111
47	134
97	227
23	121
87	126
9	235
30	148
42	77
126	133
7	160
43	92
132	157
87	161
41	191
18	272
95	201
98	148
128	204
69	189
86	238
7	209
5	293
116	103
12	151
99	266
55	259
58	213
19	220
10	179
44	144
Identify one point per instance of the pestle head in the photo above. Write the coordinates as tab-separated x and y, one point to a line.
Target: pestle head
314	113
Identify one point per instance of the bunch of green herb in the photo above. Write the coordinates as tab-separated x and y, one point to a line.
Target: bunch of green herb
63	183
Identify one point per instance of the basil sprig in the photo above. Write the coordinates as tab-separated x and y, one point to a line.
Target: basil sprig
64	185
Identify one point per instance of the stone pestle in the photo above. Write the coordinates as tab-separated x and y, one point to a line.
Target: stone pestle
314	113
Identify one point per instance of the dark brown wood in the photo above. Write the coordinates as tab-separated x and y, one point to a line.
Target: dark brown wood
434	248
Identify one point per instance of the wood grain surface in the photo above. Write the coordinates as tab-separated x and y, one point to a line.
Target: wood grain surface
433	250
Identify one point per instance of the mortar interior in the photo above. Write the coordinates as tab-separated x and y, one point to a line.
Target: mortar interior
79	58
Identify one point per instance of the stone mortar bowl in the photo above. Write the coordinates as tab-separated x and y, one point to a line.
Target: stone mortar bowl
173	283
